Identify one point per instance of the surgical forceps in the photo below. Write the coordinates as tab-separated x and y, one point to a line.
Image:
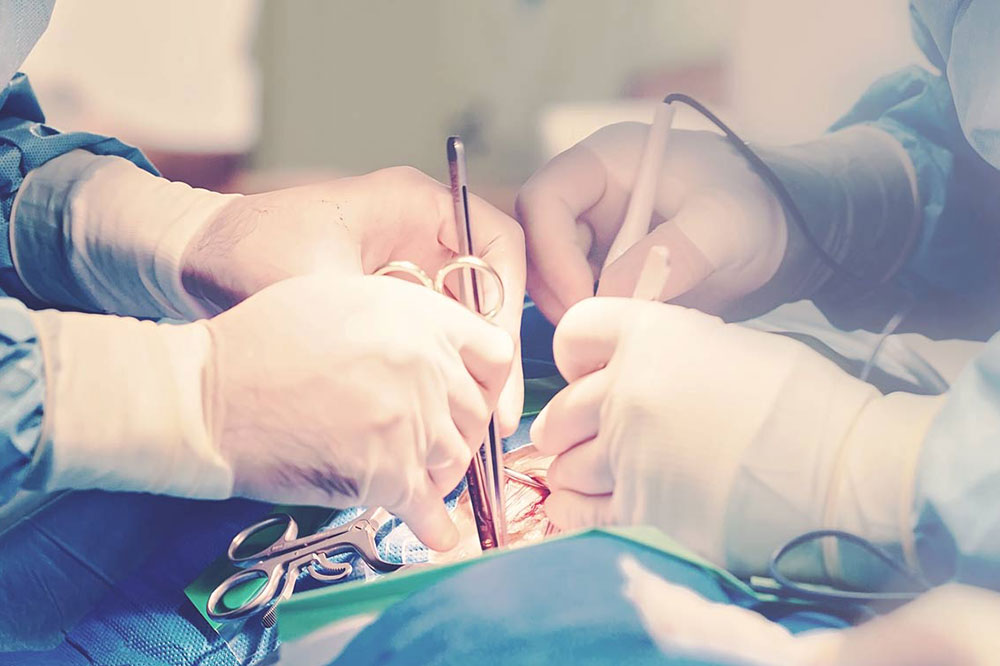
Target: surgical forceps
486	477
482	478
281	562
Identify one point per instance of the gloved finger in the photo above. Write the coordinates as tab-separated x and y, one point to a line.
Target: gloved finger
541	293
511	402
572	416
585	468
448	446
428	519
688	265
569	510
548	207
544	298
446	479
499	241
486	350
588	334
469	404
489	361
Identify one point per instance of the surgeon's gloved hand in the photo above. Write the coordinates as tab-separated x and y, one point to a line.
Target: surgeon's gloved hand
369	391
732	441
734	250
952	625
723	227
131	243
333	392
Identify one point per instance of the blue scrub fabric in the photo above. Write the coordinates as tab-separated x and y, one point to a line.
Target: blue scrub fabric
558	603
125	559
26	142
22	393
949	123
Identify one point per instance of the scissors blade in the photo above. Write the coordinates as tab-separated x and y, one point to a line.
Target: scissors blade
485	476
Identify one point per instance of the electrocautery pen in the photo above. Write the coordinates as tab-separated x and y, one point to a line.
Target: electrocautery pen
654	275
639	213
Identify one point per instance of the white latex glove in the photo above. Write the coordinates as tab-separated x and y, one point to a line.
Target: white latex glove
100	234
723	227
732	251
366	390
952	625
684	624
388	394
731	440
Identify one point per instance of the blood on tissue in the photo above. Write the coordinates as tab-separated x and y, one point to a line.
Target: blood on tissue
526	519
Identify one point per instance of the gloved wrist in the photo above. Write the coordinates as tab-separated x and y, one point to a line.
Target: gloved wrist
873	485
833	454
129	407
97	233
856	190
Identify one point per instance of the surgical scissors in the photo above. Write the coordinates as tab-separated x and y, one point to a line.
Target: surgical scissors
281	562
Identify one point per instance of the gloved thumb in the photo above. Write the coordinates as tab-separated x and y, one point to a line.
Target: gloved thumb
588	334
487	350
689	266
569	510
428	519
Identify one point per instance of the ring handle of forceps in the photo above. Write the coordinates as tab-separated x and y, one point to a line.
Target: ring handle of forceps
465	261
258	601
291	533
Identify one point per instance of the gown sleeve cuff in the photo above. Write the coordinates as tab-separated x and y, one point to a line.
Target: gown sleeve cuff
858	195
129	407
97	233
22	395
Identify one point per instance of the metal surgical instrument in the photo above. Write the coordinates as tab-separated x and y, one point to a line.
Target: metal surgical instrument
437	283
526	479
280	562
485	488
486	476
638	215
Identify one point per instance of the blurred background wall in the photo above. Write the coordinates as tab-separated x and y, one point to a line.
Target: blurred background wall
397	76
242	94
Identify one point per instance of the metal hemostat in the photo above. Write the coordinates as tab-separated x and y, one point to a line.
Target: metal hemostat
486	472
280	562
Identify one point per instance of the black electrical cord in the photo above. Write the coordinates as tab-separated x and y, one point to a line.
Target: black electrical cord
813	593
788	202
768	174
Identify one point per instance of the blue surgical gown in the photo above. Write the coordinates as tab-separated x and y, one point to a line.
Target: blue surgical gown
949	123
26	143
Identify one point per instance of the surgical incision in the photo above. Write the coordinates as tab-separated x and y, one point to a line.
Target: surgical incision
526	519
